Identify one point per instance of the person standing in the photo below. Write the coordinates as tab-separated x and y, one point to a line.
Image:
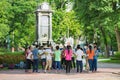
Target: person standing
57	55
95	58
48	54
26	54
29	59
63	62
90	54
79	54
68	57
43	58
35	59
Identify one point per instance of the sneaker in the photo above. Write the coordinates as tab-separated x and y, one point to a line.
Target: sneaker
37	72
45	71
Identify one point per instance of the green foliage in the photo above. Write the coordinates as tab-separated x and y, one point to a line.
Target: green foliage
65	24
2	49
17	19
4	15
111	61
58	4
23	22
117	55
99	18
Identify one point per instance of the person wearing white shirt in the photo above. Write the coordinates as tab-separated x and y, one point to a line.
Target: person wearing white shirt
79	53
48	53
29	58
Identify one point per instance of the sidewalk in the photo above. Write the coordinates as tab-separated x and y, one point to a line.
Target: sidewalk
102	74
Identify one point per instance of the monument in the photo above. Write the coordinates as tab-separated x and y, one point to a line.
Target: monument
44	24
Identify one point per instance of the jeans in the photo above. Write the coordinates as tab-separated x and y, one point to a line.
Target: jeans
90	61
79	65
68	66
28	64
43	63
35	65
57	65
95	64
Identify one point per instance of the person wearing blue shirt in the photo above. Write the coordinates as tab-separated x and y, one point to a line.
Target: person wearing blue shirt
95	59
35	59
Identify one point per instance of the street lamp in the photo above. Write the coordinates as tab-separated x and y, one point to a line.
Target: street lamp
68	32
8	42
13	49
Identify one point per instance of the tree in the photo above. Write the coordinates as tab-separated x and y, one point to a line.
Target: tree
22	22
98	15
4	15
115	17
65	24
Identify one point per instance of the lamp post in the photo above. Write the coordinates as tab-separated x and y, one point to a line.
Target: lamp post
13	49
8	42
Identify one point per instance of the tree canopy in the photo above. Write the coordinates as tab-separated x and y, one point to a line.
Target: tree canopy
102	17
95	20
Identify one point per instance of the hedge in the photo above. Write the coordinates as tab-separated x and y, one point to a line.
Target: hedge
11	58
116	56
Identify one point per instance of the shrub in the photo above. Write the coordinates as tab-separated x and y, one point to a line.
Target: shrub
12	58
116	56
2	50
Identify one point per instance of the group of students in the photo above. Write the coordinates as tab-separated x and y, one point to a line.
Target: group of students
60	58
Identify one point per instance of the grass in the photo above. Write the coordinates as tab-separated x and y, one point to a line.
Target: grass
101	57
2	69
1	53
111	61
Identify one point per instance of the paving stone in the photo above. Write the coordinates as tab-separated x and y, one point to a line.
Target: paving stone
101	74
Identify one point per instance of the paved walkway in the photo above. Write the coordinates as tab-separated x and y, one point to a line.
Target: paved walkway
103	73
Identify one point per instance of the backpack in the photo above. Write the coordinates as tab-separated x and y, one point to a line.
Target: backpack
1	66
11	66
22	65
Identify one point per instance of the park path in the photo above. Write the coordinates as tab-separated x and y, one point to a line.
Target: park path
105	72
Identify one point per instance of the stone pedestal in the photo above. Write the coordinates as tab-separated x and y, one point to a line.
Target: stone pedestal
44	24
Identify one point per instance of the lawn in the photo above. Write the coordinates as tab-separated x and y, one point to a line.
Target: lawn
111	61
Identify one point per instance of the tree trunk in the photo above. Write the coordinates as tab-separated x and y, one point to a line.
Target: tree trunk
117	32
110	46
105	42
